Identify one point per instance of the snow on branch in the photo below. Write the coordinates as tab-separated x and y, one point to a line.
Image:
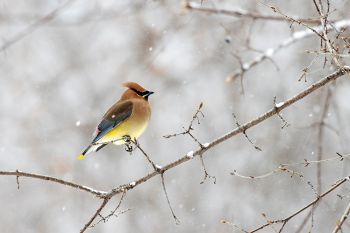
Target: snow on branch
295	37
122	189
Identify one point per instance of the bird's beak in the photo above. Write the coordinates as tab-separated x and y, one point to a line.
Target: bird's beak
149	93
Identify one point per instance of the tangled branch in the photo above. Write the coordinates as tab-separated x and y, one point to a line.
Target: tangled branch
106	196
285	220
296	36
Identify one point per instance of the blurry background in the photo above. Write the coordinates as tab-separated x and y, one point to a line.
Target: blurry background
60	76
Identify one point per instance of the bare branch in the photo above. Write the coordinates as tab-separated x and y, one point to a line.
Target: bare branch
283	167
242	13
97	213
279	169
234	225
112	213
285	123
285	220
177	221
246	135
199	152
342	219
156	167
236	131
323	20
206	174
30	29
188	130
276	10
306	70
296	36
17	180
17	173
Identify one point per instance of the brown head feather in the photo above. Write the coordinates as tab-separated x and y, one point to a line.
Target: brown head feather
135	86
131	92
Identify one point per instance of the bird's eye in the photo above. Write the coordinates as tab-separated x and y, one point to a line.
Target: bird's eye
147	93
144	94
137	92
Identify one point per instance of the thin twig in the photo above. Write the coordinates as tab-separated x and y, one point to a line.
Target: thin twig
246	135
155	166
206	174
242	13
280	169
296	36
234	225
30	29
200	151
17	180
177	221
306	70
17	173
285	220
158	169
328	44
188	130
278	11
341	221
238	130
285	123
112	213
97	213
285	167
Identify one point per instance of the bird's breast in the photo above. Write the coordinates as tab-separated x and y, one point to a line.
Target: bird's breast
134	126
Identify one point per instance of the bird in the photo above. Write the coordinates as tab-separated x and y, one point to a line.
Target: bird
126	119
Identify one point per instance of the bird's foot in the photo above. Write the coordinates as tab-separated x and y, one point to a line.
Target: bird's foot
129	148
127	139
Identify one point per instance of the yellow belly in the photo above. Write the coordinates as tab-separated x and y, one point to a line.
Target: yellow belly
129	127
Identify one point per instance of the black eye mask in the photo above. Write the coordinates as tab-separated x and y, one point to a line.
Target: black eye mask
144	94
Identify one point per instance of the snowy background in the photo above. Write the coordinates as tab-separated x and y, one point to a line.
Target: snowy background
57	81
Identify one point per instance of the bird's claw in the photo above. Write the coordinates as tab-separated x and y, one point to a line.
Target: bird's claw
129	148
127	140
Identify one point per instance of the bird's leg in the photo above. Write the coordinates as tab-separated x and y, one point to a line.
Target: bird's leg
127	140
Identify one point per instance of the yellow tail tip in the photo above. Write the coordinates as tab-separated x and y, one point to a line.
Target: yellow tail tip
80	157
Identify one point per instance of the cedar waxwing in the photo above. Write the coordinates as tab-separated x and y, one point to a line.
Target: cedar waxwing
127	117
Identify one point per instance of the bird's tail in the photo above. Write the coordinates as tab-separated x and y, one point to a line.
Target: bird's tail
89	149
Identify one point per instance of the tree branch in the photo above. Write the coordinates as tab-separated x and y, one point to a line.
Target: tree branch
199	152
97	213
242	13
17	173
342	219
296	36
241	129
30	29
284	221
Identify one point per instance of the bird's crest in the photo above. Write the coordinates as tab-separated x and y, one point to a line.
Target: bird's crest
134	86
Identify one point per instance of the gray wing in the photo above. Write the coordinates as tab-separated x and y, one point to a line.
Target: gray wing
118	113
